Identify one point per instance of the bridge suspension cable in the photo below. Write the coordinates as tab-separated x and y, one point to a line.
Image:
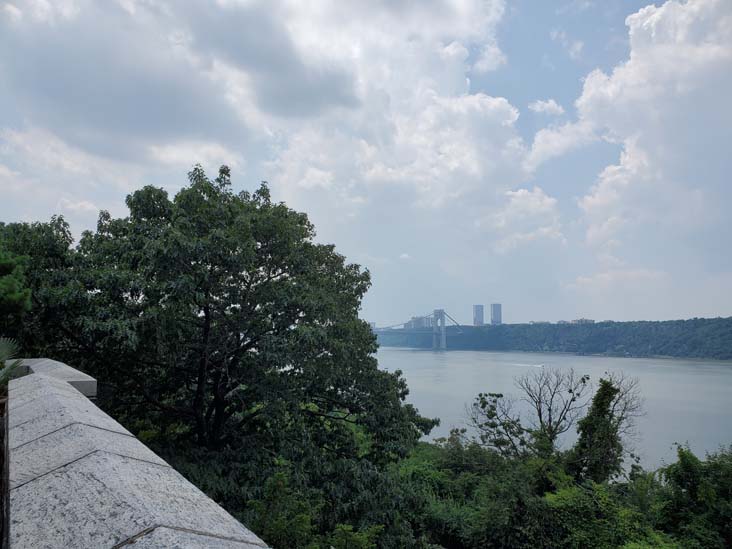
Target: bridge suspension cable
405	322
454	322
429	315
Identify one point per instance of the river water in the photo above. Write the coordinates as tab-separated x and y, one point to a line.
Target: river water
685	401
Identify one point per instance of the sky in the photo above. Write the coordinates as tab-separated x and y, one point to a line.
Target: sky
566	159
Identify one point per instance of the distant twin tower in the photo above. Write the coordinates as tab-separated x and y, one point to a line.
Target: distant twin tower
495	314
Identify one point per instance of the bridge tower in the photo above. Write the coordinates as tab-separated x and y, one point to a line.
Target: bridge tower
439	331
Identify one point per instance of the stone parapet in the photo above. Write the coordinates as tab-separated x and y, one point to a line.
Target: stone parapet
78	479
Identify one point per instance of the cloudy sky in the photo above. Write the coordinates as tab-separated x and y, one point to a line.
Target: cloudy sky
567	158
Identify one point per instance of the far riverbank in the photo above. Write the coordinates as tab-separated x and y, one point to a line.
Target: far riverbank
697	338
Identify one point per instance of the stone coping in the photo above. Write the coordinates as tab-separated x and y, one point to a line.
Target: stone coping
80	381
79	479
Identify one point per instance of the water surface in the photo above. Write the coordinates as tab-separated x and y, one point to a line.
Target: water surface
686	401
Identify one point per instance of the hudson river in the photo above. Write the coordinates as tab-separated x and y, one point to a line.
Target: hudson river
686	401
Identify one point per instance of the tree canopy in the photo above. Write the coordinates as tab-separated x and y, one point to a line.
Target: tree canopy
220	312
14	295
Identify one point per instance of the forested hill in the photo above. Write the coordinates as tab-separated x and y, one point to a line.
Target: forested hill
694	338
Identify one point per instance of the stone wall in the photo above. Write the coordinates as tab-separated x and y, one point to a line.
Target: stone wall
78	479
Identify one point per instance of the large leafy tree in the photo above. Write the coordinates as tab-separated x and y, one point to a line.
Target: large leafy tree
14	294
40	257
216	316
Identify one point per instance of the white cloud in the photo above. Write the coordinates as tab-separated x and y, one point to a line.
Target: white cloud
42	175
313	177
529	215
575	6
546	106
69	205
490	59
655	219
10	180
41	151
50	11
610	280
604	207
419	132
623	293
12	12
386	86
573	47
209	155
555	141
369	34
668	107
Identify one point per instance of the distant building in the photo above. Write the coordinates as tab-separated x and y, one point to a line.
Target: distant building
373	325
478	315
562	321
583	321
496	317
418	322
539	322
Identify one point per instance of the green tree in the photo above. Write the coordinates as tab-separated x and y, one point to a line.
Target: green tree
590	515
226	318
697	500
344	537
49	277
14	294
470	496
14	301
283	516
598	453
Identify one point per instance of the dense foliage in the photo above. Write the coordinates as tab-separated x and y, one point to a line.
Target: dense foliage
44	249
14	294
693	338
228	340
14	302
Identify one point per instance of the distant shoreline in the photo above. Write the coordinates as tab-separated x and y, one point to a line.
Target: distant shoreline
598	355
697	338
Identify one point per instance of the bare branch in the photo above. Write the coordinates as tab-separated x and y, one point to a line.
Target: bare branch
557	397
628	404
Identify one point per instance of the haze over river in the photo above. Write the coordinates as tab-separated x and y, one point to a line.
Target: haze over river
686	401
